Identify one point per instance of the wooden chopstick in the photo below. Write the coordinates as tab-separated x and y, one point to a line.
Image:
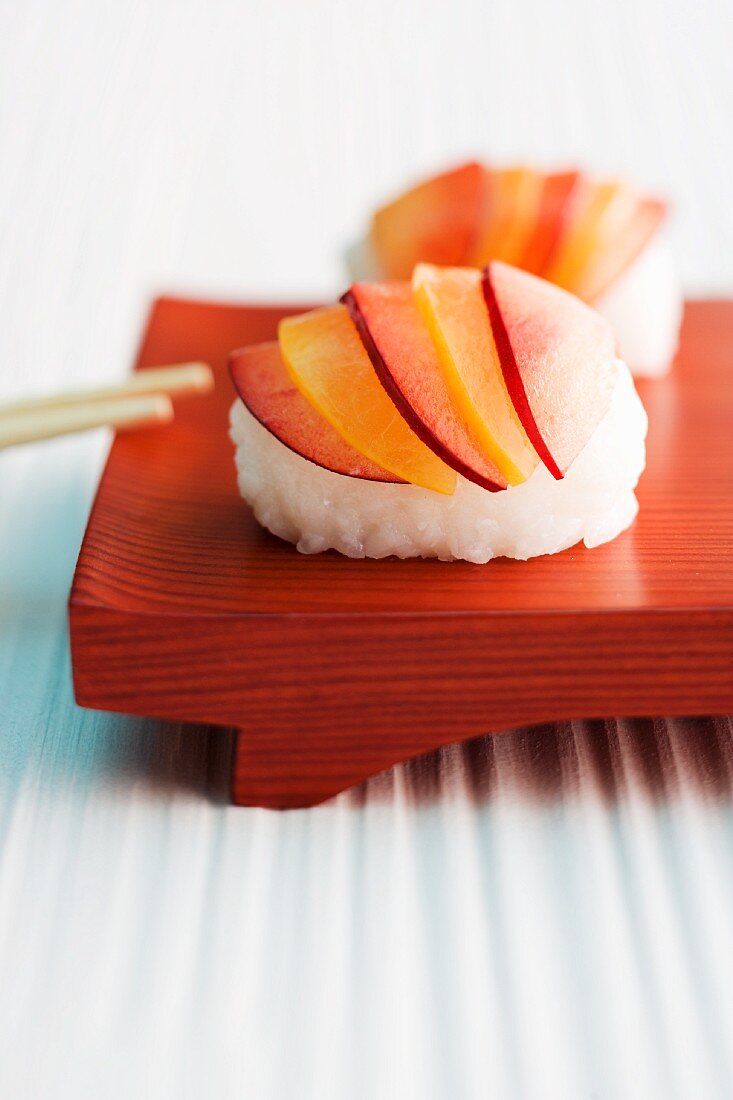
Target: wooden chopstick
181	379
120	412
144	398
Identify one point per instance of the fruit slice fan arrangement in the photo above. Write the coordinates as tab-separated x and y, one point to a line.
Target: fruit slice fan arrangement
579	233
482	373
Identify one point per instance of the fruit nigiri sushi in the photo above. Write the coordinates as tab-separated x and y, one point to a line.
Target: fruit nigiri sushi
463	414
600	239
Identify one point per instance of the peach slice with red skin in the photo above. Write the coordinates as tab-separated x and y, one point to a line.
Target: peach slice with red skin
558	200
508	216
434	221
599	215
484	373
407	364
262	381
558	359
575	231
451	305
619	253
329	364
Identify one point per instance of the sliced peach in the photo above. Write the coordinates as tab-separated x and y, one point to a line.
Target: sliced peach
558	360
620	252
604	209
434	221
452	306
330	366
262	381
512	201
560	191
405	359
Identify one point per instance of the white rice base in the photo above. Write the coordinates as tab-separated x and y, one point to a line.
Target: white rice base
320	510
644	309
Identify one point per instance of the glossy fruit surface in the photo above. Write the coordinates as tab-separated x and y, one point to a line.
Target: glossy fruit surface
330	366
408	365
509	215
558	359
266	388
437	221
452	306
579	232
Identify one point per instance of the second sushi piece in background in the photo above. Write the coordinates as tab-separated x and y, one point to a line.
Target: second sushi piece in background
464	414
601	239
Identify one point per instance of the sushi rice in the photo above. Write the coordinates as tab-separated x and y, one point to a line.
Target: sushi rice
320	510
644	309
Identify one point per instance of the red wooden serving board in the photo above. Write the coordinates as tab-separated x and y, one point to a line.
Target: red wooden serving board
333	669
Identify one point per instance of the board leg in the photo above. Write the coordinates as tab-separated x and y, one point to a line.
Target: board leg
275	774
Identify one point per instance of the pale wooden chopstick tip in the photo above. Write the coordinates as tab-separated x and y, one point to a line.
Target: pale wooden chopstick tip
121	413
178	380
143	398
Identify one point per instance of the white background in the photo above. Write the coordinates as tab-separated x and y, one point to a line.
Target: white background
154	942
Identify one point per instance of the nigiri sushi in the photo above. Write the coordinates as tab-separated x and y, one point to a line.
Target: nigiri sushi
600	239
463	414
